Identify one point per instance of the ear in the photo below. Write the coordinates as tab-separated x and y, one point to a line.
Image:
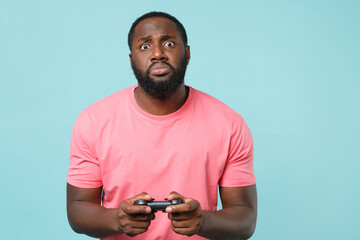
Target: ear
130	57
187	53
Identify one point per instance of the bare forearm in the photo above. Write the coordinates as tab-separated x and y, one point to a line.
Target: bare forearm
92	219
236	222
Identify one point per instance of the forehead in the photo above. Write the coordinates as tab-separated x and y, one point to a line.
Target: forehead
155	26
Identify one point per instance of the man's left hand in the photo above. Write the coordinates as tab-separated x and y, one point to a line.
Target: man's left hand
185	217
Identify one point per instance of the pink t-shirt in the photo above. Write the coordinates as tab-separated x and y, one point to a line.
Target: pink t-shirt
115	144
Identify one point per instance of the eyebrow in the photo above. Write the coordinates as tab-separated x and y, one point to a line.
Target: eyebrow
163	37
144	38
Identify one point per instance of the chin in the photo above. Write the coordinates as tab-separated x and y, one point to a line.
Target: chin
164	78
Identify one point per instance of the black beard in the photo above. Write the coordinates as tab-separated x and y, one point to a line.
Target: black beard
164	88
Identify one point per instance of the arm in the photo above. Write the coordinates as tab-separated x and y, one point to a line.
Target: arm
86	215
237	219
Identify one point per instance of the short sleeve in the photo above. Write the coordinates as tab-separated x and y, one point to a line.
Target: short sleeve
239	167
84	168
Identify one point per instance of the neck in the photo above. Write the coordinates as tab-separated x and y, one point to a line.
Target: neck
164	105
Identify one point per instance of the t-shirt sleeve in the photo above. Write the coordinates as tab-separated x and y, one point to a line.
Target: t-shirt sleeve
239	169
84	168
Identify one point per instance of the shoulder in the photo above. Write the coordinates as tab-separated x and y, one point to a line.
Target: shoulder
106	107
104	110
215	109
111	101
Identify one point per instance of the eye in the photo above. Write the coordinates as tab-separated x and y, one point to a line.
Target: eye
169	44
144	46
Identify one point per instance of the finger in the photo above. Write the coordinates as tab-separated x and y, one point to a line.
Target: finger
180	217
141	217
135	231
141	196
185	228
182	224
133	228
188	206
184	231
136	209
174	195
137	224
129	207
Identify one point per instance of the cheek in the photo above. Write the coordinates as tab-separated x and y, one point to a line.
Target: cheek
179	57
140	63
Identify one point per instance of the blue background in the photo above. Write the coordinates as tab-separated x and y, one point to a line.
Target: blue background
291	68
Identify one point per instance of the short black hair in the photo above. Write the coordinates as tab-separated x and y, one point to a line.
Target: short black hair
154	14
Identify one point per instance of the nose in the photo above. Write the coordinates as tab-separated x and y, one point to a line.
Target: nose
158	54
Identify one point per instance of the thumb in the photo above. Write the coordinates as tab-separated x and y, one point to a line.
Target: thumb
175	195
141	196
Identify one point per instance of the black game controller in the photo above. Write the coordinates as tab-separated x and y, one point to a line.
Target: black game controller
158	205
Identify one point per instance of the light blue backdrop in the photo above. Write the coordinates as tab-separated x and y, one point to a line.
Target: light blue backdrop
291	68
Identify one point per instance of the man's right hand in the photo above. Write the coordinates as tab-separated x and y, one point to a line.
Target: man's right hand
135	219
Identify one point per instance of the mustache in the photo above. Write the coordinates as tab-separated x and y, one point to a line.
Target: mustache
170	66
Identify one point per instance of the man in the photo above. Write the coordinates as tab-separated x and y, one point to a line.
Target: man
161	139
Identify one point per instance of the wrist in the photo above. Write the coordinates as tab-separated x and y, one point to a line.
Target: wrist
115	223
203	222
